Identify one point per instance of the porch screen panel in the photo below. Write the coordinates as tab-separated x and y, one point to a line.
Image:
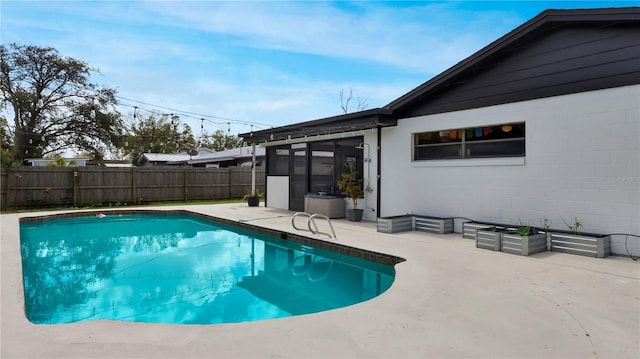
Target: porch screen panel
322	168
278	161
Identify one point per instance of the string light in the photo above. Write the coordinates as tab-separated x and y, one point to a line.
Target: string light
298	132
189	114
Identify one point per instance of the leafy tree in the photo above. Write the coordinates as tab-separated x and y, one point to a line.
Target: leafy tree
220	141
54	104
156	133
6	144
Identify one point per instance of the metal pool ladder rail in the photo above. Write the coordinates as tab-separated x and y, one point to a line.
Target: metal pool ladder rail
312	221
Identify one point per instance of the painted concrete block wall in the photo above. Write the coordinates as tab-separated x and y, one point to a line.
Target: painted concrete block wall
582	161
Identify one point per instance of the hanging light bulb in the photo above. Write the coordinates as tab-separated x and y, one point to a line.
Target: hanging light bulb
229	128
271	137
30	141
92	113
43	139
40	103
134	112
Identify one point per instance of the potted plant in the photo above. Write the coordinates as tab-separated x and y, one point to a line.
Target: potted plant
253	198
524	240
351	186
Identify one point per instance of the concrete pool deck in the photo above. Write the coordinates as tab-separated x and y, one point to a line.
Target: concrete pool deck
449	300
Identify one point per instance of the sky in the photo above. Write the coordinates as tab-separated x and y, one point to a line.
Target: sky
265	63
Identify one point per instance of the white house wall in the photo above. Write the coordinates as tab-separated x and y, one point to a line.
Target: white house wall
582	161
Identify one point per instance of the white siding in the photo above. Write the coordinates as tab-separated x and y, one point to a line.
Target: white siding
582	160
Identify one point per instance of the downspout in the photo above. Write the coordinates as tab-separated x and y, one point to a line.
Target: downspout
253	168
379	165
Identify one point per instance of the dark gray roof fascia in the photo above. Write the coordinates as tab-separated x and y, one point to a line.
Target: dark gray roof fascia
378	117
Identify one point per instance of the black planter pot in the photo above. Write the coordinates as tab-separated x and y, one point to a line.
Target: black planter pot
355	215
253	201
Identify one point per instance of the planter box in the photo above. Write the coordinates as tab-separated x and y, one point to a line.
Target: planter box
395	224
433	224
582	244
469	229
524	245
489	238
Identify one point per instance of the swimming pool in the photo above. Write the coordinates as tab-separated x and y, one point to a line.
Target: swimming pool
179	267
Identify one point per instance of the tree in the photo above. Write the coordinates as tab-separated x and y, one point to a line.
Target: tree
220	141
6	144
54	104
156	133
344	103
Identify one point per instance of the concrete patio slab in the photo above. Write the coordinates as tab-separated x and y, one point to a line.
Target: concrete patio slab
449	300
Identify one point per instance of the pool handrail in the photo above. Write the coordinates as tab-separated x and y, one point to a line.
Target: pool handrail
311	221
321	216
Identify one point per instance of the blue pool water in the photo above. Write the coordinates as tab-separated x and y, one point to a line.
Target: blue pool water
181	269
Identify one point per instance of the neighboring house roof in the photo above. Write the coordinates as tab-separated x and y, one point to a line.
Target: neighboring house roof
557	52
163	157
203	156
40	162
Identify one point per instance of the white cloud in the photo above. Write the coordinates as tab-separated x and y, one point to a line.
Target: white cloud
422	37
205	57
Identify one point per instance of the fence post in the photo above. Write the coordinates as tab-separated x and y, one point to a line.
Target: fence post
133	185
7	184
186	184
75	188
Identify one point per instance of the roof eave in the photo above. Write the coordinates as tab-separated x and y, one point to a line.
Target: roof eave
354	121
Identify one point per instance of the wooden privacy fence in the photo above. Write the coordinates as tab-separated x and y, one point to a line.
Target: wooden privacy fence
89	186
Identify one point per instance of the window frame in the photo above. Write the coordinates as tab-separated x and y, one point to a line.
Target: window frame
465	144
